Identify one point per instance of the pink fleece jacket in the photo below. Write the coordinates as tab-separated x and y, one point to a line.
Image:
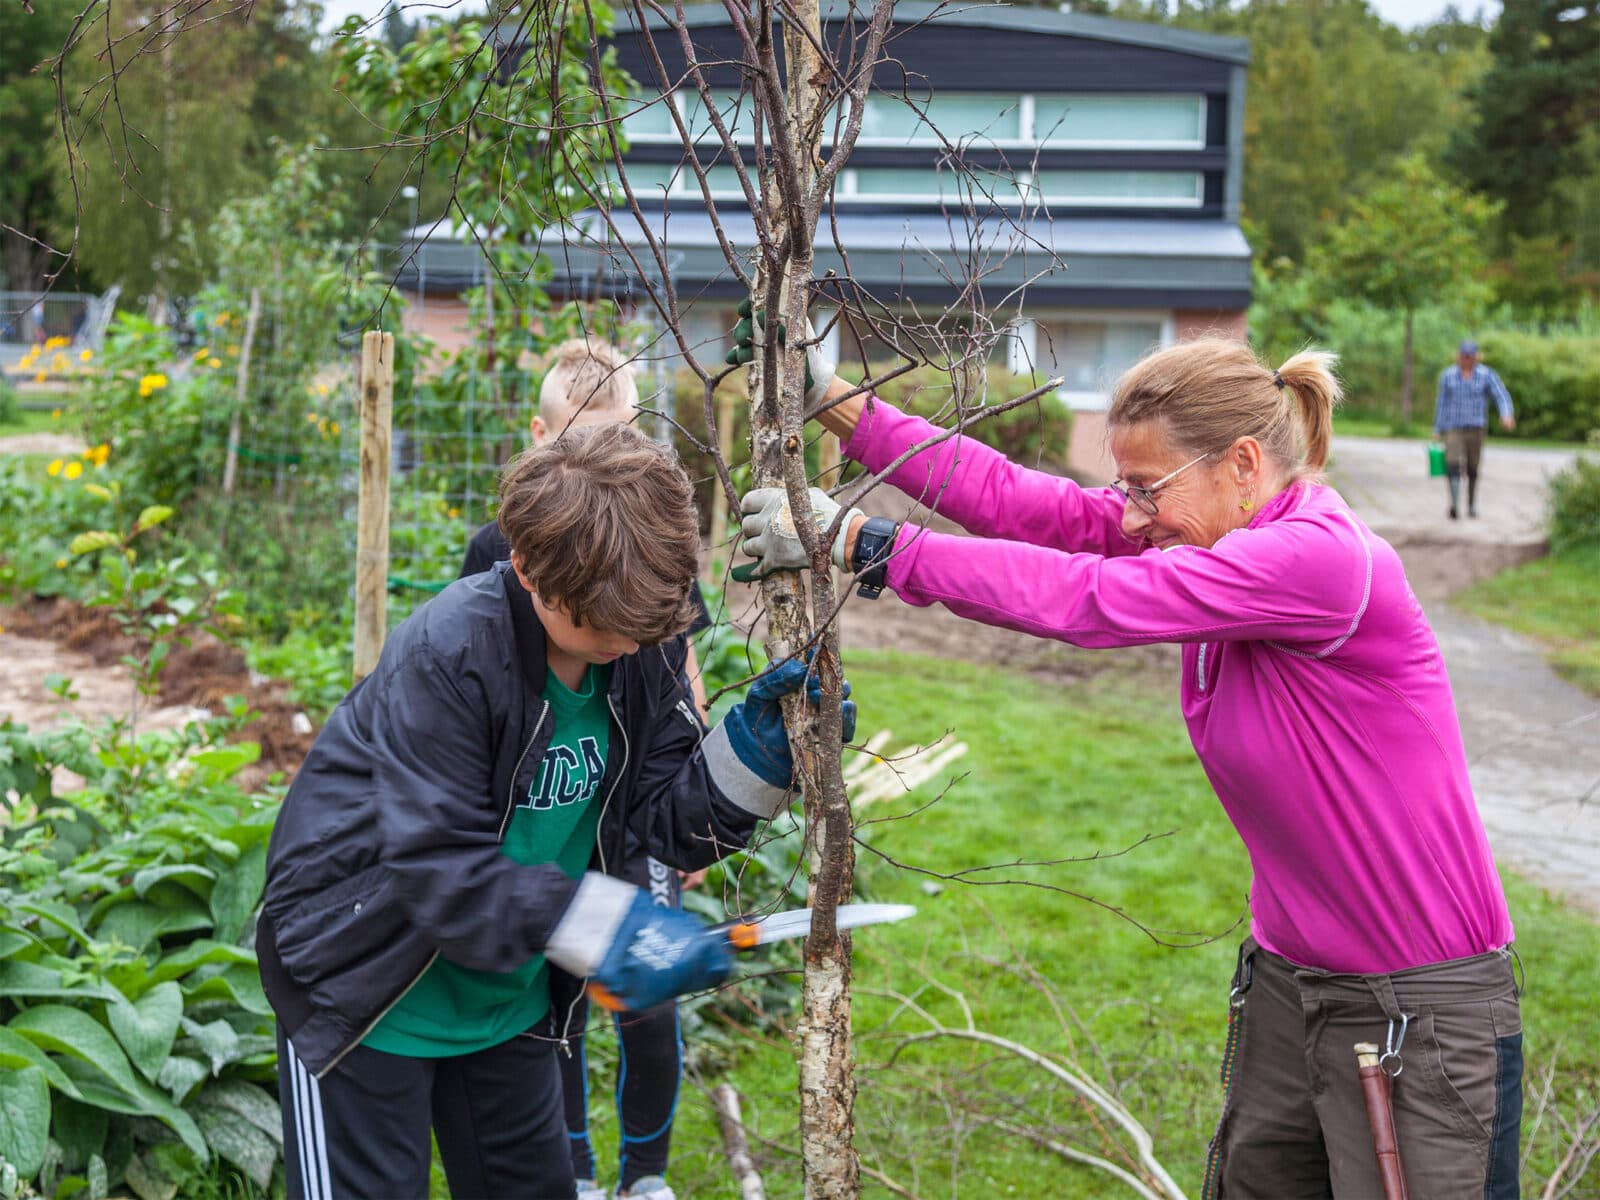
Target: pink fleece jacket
1313	686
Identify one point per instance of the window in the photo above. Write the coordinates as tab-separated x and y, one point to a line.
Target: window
1175	189
1143	122
1089	352
954	116
1021	120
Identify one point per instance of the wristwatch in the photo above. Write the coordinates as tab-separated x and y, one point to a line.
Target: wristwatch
870	559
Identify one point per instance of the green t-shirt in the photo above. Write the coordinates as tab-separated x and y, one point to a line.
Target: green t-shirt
458	1010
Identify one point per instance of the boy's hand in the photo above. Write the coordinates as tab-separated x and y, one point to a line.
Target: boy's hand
770	536
820	368
754	727
638	953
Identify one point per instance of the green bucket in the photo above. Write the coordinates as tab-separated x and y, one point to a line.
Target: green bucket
1436	464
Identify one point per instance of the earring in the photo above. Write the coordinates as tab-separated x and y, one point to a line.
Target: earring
1248	504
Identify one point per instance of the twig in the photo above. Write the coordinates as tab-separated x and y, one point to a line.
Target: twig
725	1100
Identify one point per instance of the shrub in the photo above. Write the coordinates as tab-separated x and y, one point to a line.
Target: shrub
1554	381
1575	504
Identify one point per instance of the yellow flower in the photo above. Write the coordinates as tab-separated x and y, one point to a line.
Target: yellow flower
453	513
213	362
85	355
72	470
201	353
61	564
151	383
322	389
98	454
41	376
56	343
58	362
222	319
333	428
55	414
54	468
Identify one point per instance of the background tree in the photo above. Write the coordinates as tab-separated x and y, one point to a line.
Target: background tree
30	207
1536	109
1412	240
171	111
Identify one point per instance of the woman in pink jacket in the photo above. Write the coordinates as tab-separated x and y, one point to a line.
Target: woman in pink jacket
1319	706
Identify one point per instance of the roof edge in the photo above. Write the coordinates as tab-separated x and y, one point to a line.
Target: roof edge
1004	16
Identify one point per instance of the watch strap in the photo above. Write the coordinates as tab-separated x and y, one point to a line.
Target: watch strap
870	561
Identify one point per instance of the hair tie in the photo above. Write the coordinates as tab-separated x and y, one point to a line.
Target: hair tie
1278	380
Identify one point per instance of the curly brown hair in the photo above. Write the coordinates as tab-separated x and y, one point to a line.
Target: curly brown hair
602	522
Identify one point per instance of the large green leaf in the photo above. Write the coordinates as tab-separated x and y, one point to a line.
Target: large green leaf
140	1101
148	1180
24	1119
73	1032
80	1130
240	984
148	1026
201	953
17	1051
55	919
180	1074
236	1139
251	1102
192	876
217	1040
138	923
35	980
11	941
237	893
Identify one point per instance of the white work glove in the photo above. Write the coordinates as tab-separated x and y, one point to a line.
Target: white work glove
770	536
820	367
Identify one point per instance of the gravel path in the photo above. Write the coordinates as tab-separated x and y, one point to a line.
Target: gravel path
1533	740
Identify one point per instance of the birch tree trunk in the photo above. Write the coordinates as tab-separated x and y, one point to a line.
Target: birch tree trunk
777	435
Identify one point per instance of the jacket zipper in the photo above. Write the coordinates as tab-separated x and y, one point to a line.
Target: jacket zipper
511	805
599	829
1200	666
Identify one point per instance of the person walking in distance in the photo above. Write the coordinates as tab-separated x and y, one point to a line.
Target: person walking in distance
1460	417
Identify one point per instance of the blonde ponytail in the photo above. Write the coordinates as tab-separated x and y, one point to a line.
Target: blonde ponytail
1308	378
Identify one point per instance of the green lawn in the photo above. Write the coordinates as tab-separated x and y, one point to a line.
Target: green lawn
1055	772
1552	600
1361	424
30	420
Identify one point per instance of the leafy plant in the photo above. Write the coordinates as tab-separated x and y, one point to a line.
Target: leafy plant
1575	504
134	1035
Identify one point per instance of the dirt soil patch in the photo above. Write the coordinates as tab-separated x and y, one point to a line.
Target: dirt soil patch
57	636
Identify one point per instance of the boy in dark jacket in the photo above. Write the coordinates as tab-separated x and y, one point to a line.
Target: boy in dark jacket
431	859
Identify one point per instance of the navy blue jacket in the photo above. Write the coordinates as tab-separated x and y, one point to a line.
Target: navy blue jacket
387	848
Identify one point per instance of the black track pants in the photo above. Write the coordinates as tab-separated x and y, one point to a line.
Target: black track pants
650	1061
361	1131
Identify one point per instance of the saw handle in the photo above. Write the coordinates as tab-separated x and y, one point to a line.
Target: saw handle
741	935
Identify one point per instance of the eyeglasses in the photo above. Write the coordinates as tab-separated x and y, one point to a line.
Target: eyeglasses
1145	497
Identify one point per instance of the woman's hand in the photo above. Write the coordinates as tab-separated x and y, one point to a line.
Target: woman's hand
770	536
822	384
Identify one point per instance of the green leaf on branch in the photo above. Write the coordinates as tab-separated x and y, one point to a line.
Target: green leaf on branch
153	514
74	1033
142	1100
97	539
24	1119
148	1026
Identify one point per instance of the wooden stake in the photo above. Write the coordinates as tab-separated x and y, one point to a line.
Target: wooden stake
372	512
241	390
719	502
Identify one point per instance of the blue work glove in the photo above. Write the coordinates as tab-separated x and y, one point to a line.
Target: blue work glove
635	953
754	726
